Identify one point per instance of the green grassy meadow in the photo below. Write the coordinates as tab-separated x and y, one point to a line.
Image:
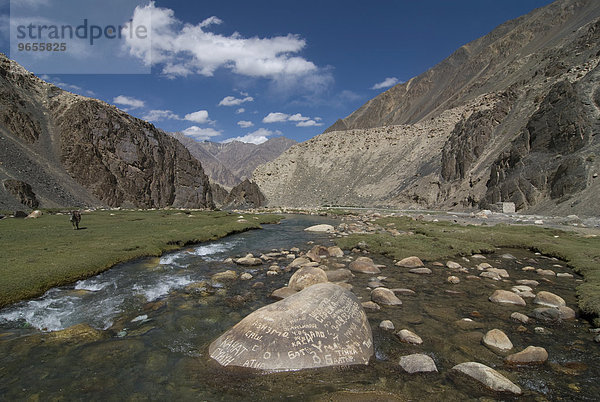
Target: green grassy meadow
38	254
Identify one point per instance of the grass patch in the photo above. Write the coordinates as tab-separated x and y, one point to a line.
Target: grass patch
441	240
38	254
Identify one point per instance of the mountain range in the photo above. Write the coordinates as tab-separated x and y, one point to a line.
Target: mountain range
228	164
513	116
510	117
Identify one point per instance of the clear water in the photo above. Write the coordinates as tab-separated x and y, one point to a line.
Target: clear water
155	333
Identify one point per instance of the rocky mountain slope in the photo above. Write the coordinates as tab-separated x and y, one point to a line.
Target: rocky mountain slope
512	116
229	164
59	149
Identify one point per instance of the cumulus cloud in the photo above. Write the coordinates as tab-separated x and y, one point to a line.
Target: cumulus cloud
201	134
185	49
158	115
276	117
201	117
128	101
301	121
388	82
245	123
233	101
256	137
240	110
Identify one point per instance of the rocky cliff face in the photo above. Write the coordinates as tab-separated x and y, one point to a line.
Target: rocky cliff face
73	151
512	116
245	195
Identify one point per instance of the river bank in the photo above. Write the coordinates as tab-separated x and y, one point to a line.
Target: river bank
41	253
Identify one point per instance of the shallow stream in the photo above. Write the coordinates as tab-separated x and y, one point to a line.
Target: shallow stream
156	318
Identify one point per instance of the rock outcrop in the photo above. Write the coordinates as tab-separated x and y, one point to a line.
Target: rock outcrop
22	192
75	151
509	117
245	195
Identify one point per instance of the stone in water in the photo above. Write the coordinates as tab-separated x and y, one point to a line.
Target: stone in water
323	325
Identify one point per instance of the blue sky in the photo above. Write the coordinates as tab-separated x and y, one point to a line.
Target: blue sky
256	69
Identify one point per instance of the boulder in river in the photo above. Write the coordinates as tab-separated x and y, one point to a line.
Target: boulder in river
364	265
385	296
248	260
420	271
496	339
305	277
410	262
417	363
335	251
407	336
228	275
530	355
549	299
320	229
487	376
519	317
317	253
453	265
506	297
339	275
323	325
387	325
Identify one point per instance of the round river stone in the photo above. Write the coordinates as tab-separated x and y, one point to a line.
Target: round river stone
323	325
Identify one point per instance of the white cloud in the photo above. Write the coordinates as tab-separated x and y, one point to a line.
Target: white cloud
276	117
185	49
201	117
128	101
233	101
256	137
245	124
308	123
302	121
240	110
201	134
298	117
157	115
388	82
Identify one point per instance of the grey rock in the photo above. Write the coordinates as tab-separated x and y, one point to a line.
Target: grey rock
418	363
506	297
487	376
364	265
530	355
410	262
407	336
305	277
265	339
385	296
420	271
387	325
495	339
549	299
